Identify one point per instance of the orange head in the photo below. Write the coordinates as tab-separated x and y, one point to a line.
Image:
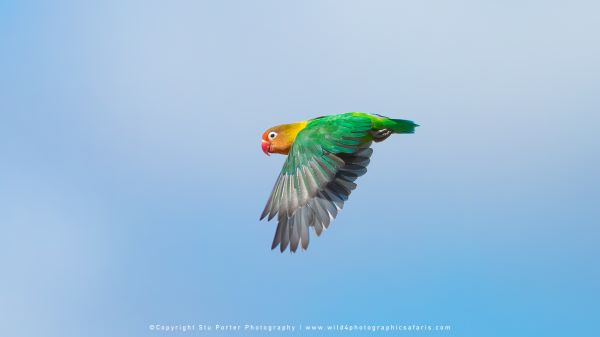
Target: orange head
279	139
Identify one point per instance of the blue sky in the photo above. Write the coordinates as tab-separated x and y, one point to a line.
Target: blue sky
132	176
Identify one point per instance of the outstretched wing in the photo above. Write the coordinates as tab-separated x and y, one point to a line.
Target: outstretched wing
317	177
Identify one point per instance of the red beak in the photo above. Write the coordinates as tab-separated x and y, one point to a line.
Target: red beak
266	146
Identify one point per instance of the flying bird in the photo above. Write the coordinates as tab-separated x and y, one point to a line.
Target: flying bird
325	155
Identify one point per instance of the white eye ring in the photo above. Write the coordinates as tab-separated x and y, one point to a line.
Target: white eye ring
272	135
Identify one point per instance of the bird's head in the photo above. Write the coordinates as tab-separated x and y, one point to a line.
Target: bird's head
279	139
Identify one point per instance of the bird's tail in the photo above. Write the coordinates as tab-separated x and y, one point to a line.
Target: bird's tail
401	125
381	122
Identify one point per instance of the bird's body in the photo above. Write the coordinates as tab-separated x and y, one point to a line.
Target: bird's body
325	156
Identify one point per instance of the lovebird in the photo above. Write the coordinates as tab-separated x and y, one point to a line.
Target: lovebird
325	156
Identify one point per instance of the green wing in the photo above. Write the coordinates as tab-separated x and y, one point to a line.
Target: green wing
318	176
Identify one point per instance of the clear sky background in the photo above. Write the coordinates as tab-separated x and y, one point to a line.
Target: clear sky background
131	175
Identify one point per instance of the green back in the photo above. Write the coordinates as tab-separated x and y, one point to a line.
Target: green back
343	133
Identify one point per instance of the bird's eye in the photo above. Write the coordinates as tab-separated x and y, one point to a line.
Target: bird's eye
272	134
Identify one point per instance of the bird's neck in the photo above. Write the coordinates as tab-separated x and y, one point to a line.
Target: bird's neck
295	128
291	131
